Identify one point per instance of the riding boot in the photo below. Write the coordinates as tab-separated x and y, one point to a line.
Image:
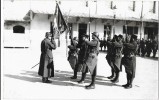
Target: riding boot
125	85
75	73
92	85
110	77
116	79
83	78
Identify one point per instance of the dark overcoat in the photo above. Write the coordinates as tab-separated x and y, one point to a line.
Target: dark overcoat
72	55
117	55
82	54
109	54
93	51
129	59
46	67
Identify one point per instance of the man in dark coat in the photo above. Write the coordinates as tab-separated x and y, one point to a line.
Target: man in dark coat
110	55
101	44
129	60
46	68
80	66
154	47
91	61
148	48
72	54
116	57
142	47
104	44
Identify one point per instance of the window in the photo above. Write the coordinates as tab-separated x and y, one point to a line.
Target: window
107	30
132	5
130	30
18	29
154	7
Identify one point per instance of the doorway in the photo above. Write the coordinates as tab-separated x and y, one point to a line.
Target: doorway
81	31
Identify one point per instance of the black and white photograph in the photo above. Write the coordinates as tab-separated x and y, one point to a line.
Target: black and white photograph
79	49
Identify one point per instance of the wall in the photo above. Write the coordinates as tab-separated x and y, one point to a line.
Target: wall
11	39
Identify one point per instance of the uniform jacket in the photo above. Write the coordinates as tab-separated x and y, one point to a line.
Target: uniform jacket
129	59
82	56
117	54
46	68
92	53
72	54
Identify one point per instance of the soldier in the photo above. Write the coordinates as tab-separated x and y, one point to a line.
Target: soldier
116	57
104	44
129	60
72	54
109	56
46	68
101	44
91	61
80	66
148	48
142	47
154	47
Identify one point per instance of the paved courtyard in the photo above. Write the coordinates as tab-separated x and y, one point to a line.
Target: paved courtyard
20	82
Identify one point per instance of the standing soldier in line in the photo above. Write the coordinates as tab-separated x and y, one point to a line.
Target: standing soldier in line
104	44
148	47
46	68
154	47
129	60
101	44
72	54
116	58
109	56
91	61
80	66
142	47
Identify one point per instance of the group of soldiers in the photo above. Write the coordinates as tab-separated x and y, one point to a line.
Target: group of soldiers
83	57
146	47
116	47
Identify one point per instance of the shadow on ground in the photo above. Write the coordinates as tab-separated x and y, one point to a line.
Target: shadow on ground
61	78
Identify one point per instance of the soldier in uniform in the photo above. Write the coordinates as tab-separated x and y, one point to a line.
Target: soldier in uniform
148	48
72	54
142	47
116	57
46	68
154	47
91	59
109	56
129	60
80	66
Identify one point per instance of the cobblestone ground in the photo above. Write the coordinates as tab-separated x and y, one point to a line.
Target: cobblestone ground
20	82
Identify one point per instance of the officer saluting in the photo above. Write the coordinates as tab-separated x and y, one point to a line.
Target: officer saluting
129	60
91	61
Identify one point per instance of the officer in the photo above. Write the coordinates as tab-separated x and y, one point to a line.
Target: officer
80	66
110	55
116	57
72	54
129	60
91	59
46	68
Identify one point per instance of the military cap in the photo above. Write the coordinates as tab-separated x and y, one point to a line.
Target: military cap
120	36
85	35
134	37
96	34
48	34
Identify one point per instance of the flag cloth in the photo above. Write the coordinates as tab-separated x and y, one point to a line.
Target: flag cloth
61	24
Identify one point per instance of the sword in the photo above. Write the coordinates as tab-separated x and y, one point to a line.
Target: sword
34	66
